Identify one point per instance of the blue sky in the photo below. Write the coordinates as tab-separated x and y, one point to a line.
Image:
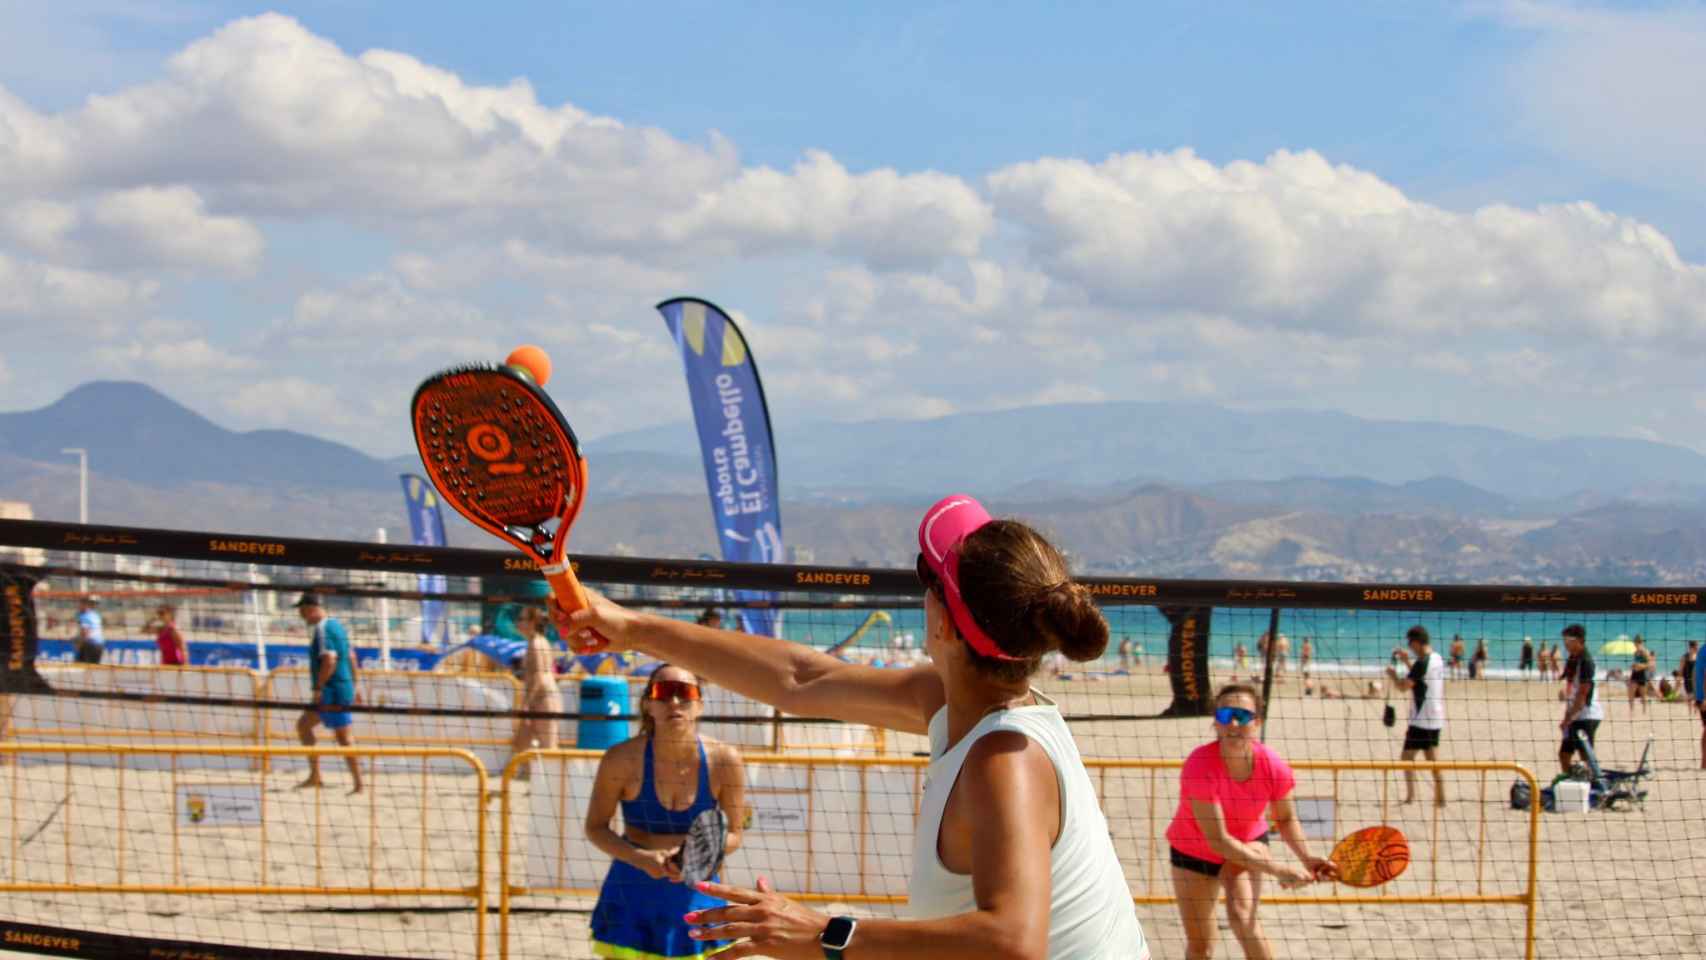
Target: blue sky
887	175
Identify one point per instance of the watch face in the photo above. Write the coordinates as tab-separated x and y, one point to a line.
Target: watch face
838	933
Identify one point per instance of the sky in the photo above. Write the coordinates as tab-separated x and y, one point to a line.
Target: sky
1489	213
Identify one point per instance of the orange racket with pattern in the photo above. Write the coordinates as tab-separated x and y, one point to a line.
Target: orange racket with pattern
1371	856
501	453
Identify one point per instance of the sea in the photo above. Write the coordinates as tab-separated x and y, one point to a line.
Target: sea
1349	641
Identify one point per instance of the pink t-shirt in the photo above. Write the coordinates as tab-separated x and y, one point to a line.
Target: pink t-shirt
1243	806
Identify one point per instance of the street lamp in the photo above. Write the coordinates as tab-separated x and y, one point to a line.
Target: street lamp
82	504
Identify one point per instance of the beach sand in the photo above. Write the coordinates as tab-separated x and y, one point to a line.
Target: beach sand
1611	883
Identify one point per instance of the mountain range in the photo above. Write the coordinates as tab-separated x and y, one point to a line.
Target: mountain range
1163	489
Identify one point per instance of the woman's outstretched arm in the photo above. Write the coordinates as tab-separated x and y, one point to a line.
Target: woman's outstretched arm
789	676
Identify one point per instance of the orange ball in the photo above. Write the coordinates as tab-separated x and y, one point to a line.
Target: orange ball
532	360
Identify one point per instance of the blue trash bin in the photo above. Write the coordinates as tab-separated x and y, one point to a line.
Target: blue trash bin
603	697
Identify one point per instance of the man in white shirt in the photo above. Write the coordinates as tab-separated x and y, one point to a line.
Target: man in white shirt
1426	683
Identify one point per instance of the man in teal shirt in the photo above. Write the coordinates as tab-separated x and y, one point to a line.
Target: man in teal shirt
331	669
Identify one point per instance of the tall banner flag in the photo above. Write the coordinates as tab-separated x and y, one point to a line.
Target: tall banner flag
18	638
734	438
426	525
1187	661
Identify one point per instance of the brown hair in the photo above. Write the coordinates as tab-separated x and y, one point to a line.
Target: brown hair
646	724
1020	591
1235	689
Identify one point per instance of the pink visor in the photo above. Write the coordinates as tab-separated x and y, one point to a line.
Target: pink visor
944	526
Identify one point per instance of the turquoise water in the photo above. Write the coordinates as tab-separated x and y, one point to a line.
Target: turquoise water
1350	637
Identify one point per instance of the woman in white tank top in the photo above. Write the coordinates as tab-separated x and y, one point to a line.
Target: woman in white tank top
1012	856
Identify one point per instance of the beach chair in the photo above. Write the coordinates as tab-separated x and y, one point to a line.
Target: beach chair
1608	788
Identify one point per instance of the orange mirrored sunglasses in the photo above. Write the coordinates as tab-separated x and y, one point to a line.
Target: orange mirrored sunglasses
672	690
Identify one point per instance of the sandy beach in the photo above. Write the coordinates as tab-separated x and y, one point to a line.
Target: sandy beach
1605	877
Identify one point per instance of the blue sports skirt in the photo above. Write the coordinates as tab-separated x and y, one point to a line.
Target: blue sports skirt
638	918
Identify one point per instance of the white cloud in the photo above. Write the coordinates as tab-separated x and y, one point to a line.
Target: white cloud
885	217
481	217
377	320
1299	243
169	226
39	226
174	357
34	290
285	123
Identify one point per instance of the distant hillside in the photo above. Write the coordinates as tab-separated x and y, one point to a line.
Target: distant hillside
1298	510
136	433
1195	445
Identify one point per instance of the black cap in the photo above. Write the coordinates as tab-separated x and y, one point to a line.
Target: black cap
308	600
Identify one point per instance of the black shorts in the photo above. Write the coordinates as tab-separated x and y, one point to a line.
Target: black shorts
1585	727
1418	738
1207	868
1638	678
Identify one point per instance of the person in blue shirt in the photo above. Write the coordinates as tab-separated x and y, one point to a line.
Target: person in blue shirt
1700	703
331	669
91	645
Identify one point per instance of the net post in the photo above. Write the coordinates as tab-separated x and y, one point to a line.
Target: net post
1268	667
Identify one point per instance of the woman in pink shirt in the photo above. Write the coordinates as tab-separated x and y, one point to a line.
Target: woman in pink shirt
1228	791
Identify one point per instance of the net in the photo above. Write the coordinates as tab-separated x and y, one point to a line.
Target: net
160	804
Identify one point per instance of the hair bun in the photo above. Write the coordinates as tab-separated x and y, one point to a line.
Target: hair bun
1073	618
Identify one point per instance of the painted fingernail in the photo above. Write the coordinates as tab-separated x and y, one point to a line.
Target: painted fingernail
691	917
703	885
696	932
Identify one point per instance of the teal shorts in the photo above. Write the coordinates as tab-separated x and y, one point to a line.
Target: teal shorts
335	719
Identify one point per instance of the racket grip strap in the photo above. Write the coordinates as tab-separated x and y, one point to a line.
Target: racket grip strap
571	596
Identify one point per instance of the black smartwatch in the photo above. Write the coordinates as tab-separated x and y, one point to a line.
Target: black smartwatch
837	937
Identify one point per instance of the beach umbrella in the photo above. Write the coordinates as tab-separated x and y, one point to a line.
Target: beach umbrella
1622	645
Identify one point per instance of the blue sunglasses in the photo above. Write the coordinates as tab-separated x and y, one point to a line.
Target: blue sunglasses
1226	716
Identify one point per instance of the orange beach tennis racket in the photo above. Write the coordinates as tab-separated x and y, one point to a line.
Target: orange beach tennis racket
500	452
1371	856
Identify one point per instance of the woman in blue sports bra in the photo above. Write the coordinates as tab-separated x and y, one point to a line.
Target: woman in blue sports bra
662	779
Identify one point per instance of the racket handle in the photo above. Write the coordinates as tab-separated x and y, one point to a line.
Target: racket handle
571	596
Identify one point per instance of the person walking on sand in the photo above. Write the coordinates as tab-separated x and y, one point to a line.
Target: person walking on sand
1526	662
1426	683
1582	709
1641	670
331	669
1688	657
1699	701
539	689
90	642
173	651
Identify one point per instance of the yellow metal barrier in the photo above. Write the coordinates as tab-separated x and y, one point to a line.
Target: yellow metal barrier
1151	893
99	721
67	882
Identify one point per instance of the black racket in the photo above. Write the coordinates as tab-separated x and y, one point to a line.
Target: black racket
701	852
500	452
